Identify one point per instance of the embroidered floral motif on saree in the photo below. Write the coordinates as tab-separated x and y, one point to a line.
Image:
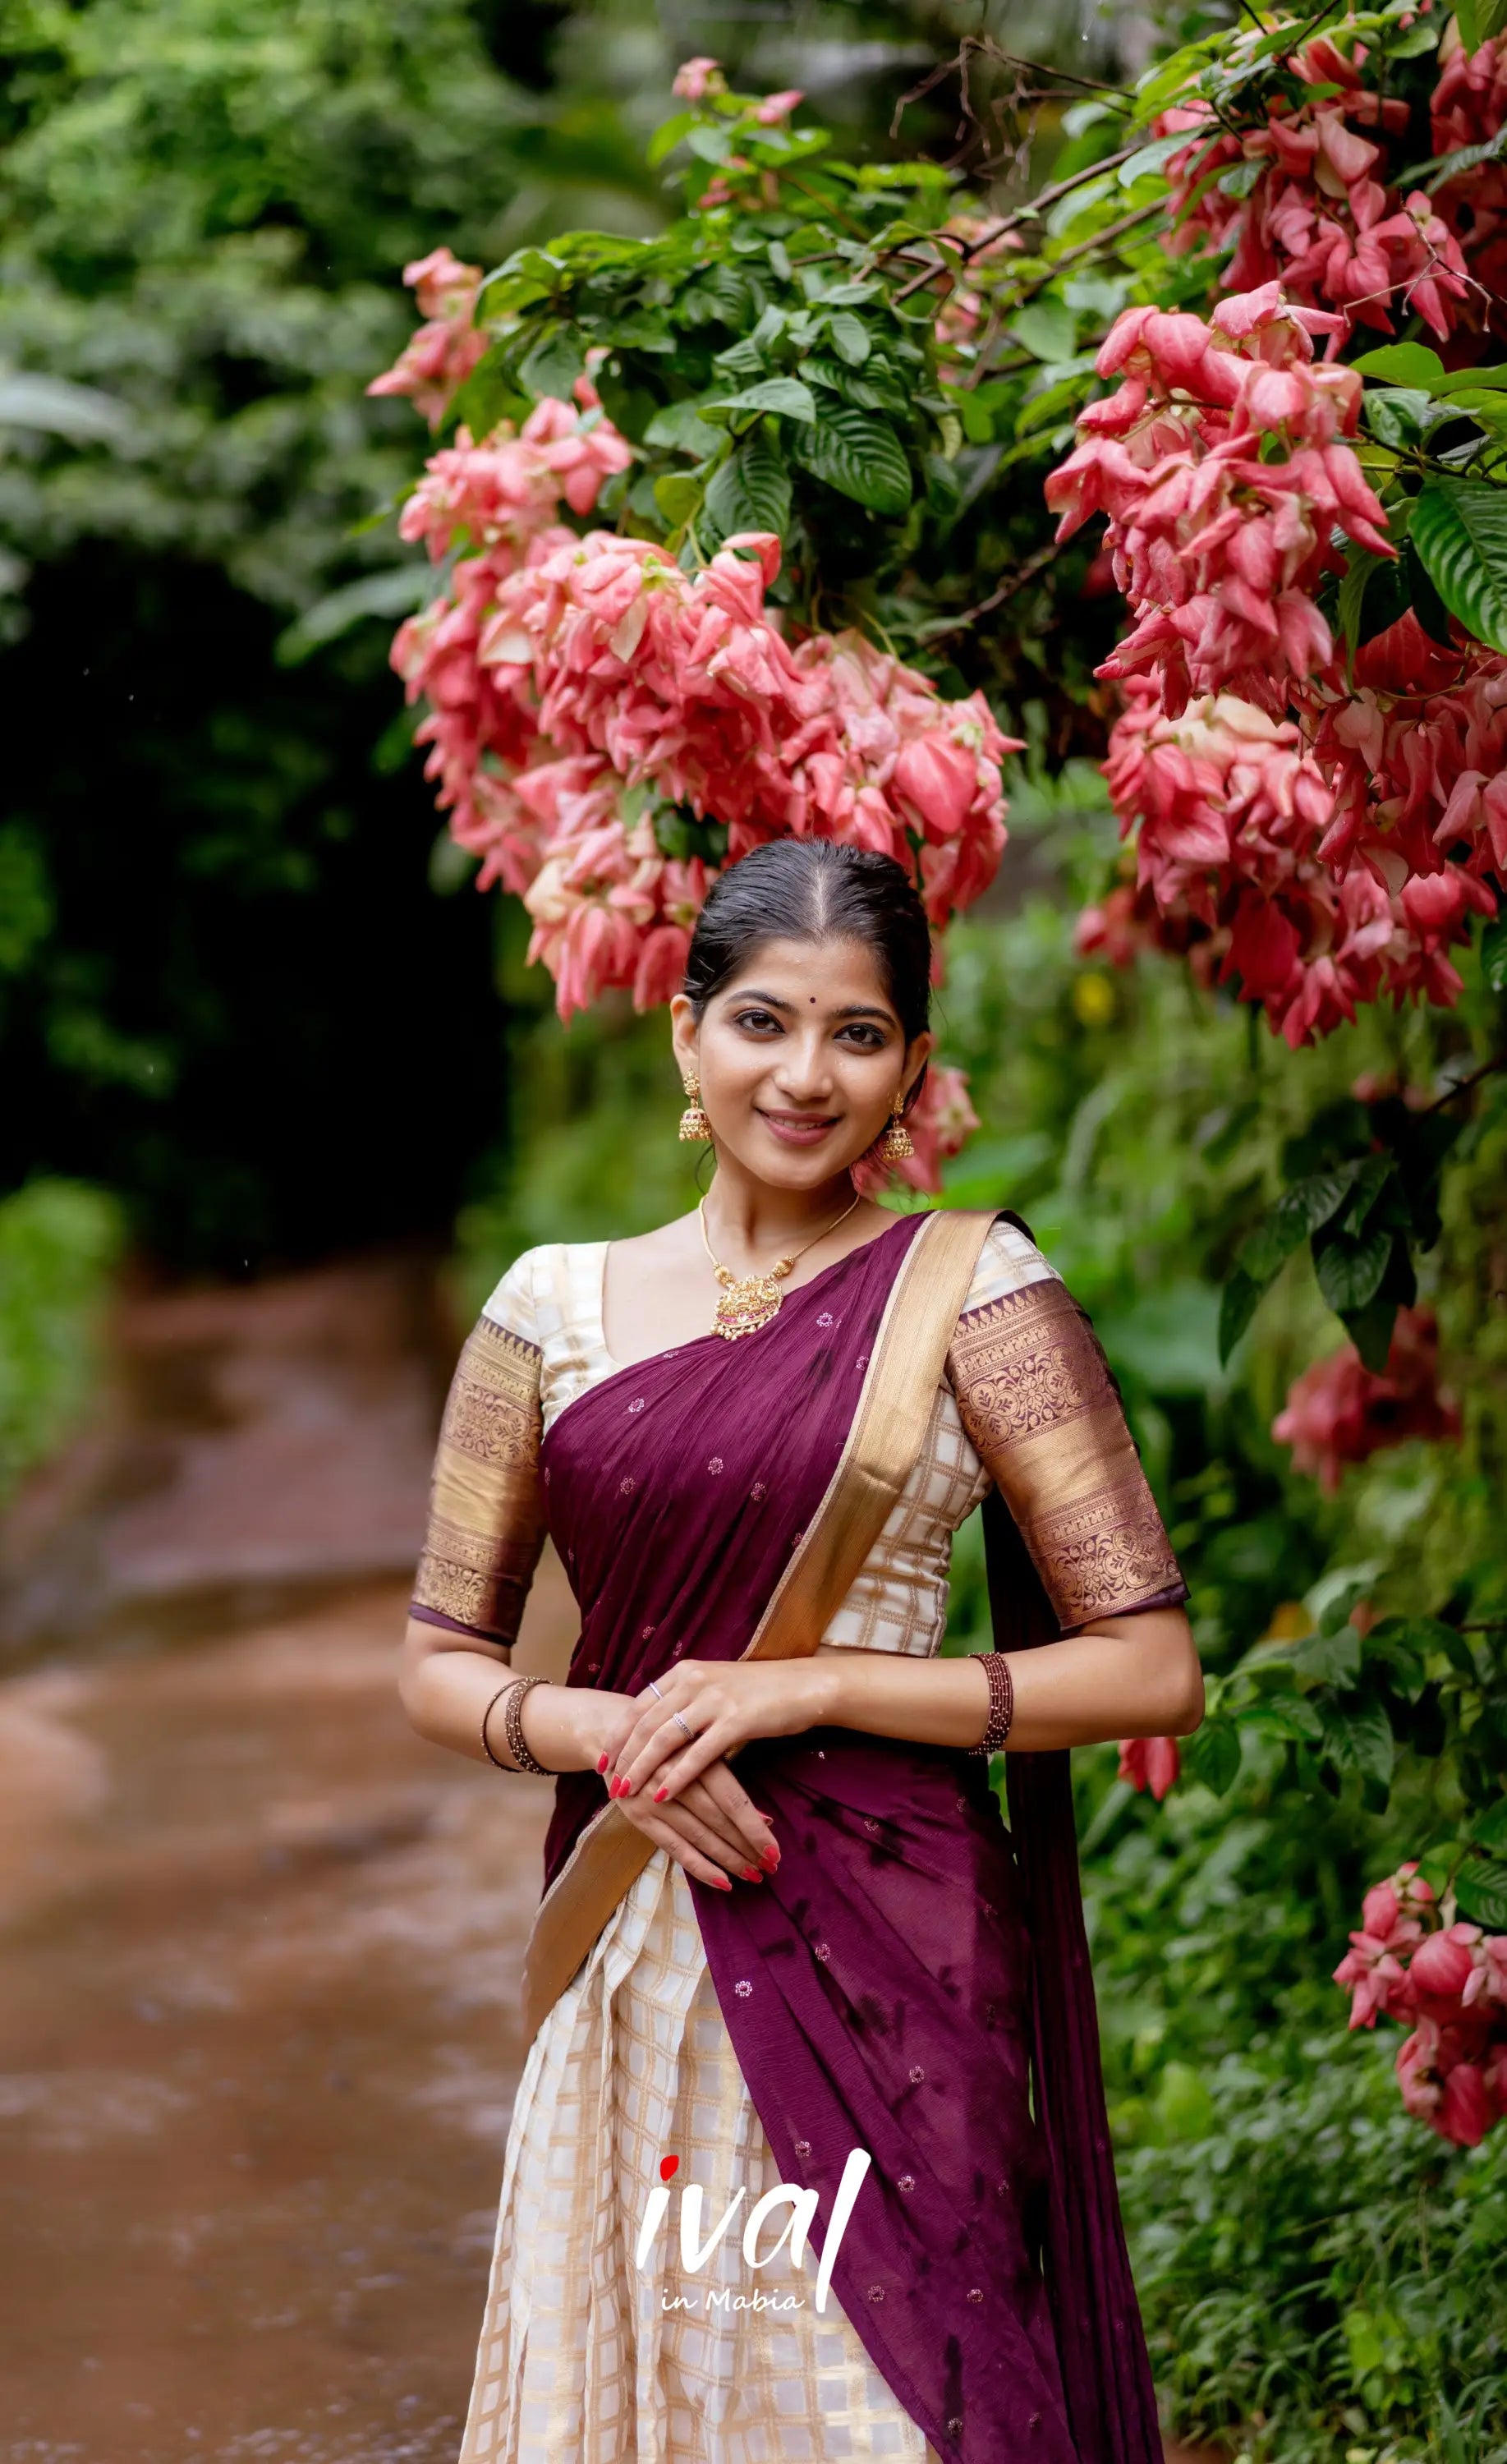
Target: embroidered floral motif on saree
1036	1395
486	1525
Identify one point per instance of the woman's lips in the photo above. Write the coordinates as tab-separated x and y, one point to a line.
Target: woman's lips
798	1129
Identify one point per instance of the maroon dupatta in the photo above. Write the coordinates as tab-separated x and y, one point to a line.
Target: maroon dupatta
879	1988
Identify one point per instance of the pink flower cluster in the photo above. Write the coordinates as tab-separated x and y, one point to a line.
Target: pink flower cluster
1223	465
1323	838
578	686
1449	1984
446	348
1149	1763
1469	107
1339	1412
681	689
1320	217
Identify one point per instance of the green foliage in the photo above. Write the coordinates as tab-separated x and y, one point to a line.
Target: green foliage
1315	2270
58	1241
223	987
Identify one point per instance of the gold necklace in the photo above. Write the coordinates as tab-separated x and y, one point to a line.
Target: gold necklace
749	1302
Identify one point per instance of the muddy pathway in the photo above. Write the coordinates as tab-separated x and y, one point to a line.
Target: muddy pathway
259	1951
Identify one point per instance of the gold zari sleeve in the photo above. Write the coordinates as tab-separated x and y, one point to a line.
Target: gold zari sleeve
486	1527
1038	1400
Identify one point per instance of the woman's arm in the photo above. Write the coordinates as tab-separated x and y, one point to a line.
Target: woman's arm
482	1540
1135	1676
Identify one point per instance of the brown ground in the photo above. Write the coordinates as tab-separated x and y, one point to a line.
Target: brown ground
259	1951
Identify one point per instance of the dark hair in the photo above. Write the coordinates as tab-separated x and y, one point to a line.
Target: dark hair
814	890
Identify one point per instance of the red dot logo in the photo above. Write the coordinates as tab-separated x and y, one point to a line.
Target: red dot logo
669	2166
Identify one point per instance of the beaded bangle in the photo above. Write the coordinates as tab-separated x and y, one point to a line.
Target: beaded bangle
512	1724
1001	1702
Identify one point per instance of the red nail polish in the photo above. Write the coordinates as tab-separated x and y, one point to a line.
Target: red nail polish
723	1882
601	1761
751	1874
771	1856
617	1788
660	1795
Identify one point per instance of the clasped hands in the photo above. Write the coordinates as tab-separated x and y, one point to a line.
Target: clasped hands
681	1790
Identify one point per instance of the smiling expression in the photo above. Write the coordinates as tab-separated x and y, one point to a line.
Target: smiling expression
800	1057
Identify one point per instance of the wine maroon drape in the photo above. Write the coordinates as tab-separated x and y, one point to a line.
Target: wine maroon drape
879	1988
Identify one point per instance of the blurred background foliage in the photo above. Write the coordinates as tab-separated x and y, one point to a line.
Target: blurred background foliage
251	1014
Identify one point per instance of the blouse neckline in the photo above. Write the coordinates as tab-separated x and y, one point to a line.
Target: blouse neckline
599	1289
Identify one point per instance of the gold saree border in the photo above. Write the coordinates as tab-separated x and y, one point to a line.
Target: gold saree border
883	1441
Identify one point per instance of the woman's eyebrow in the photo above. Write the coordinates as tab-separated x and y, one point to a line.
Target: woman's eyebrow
852	1009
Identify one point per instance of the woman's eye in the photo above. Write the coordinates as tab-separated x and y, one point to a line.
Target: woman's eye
868	1039
758	1018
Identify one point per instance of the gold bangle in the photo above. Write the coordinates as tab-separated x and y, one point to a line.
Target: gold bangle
515	1690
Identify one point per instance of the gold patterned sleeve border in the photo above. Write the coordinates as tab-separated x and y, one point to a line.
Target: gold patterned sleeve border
486	1527
1036	1397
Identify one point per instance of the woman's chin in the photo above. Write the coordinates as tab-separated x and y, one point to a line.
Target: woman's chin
787	1162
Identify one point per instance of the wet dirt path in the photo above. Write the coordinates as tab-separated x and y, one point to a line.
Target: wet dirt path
259	1951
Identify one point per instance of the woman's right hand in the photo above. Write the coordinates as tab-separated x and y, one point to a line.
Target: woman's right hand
712	1828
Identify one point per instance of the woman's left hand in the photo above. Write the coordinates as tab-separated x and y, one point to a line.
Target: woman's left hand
724	1703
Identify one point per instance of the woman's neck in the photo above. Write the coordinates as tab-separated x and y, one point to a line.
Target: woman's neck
754	1216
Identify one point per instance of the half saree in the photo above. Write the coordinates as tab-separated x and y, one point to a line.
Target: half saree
913	1981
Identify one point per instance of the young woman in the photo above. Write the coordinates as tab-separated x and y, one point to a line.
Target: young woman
783	1919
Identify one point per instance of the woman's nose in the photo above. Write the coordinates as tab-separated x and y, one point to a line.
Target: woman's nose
804	1073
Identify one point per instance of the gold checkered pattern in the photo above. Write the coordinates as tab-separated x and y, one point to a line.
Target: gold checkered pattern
582	2359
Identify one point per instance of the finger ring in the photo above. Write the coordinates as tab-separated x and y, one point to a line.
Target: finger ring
654	1689
690	1732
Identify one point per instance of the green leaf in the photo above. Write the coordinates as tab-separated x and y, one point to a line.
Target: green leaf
677	495
59	407
1359	567
1212	1754
859	453
1489	1830
751	489
1330	1658
1390	1642
1459	529
786	395
1048	329
396	592
553	365
1480	1891
1494	954
1237	1306
1359	1736
667	136
1153	157
1404	364
851	338
1351	1267
679	425
1300	1211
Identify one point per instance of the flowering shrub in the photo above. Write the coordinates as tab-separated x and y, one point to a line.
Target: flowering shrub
1341	1413
774	523
1449	1983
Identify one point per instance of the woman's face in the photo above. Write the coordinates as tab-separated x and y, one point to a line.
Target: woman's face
801	1058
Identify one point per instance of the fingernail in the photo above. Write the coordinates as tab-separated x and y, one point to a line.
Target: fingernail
751	1874
771	1856
722	1881
601	1761
660	1795
620	1788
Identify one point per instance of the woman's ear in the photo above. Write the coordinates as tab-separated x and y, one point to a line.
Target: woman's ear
683	1033
918	1052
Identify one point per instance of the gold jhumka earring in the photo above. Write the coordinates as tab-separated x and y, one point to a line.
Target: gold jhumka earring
694	1125
896	1146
